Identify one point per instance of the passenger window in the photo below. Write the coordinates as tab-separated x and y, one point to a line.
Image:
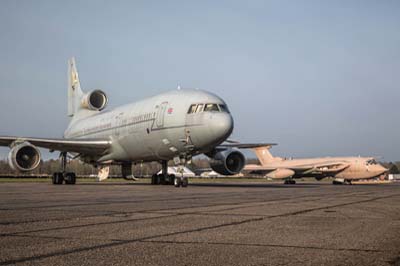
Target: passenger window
192	108
199	108
211	107
223	108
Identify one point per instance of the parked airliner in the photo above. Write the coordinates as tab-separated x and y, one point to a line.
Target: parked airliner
175	125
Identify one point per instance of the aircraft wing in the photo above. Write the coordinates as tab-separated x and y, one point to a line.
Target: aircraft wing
85	146
244	145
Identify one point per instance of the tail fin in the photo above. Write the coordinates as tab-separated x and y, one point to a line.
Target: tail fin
74	88
264	155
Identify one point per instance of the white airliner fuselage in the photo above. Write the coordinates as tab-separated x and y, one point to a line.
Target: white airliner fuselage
158	128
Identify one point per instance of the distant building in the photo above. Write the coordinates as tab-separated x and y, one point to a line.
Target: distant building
394	177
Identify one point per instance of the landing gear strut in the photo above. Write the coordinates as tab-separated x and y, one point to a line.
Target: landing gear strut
126	170
60	177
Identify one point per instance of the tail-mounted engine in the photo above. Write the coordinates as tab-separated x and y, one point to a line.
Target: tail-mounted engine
227	162
24	157
95	100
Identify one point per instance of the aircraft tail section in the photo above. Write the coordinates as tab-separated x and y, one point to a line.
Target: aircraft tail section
264	155
82	104
75	93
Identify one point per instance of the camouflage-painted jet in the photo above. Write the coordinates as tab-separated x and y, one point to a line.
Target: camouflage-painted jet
344	169
175	125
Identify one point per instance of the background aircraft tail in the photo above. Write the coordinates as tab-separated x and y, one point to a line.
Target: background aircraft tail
264	155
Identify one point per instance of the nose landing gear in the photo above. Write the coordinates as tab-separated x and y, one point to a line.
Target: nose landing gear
169	179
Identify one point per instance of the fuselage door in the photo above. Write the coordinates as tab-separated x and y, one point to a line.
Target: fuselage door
161	114
118	124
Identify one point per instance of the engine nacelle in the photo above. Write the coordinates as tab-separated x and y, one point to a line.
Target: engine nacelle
95	100
227	162
24	157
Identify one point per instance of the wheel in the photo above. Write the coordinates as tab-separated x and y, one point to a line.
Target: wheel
289	182
171	179
58	178
70	178
154	179
55	179
185	182
161	179
177	181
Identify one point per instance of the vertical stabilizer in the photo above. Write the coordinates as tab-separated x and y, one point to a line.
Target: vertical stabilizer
74	88
264	155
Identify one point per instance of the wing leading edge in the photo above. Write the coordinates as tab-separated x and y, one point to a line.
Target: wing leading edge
85	146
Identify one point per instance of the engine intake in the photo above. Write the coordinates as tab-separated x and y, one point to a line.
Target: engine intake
227	162
24	157
95	100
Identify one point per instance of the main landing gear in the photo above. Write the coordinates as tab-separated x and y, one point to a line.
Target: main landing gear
168	179
290	182
60	177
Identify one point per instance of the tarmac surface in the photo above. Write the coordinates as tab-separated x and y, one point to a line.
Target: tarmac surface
205	224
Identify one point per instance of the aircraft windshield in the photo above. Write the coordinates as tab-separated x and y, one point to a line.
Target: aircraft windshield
223	108
209	107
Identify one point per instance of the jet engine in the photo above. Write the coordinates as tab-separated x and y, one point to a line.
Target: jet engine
24	157
227	162
95	100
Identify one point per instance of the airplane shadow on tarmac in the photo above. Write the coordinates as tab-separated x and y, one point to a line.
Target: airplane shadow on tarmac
232	185
248	185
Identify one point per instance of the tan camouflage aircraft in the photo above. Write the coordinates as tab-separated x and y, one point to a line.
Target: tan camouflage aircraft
344	169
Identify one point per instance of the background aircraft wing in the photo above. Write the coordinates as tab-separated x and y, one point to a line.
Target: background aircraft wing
85	146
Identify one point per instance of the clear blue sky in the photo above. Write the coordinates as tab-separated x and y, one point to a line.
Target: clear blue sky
318	77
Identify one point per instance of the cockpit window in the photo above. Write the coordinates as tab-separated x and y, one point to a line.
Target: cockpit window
199	108
371	162
223	108
211	107
192	108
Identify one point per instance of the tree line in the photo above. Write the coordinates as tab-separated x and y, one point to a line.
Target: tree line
141	169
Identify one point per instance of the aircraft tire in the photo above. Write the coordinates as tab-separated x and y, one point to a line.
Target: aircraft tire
70	179
58	178
185	182
161	180
171	179
177	182
154	179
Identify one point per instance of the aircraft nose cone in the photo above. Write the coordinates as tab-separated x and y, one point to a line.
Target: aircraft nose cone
221	125
379	169
382	169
